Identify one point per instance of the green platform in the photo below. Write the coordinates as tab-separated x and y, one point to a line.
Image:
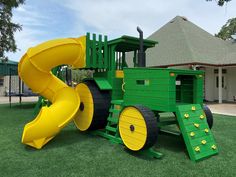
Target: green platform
197	135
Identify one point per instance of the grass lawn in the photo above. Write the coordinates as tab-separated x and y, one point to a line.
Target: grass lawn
72	153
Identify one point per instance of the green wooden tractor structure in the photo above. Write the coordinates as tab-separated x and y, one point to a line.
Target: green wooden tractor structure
123	103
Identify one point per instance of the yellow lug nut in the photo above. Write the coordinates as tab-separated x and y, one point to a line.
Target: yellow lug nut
186	116
203	142
197	149
206	130
192	134
196	125
202	116
213	147
193	108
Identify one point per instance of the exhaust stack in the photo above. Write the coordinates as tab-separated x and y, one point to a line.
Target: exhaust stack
141	52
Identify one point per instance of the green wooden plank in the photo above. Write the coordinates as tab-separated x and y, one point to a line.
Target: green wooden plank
100	58
94	52
112	129
88	56
114	110
105	53
113	120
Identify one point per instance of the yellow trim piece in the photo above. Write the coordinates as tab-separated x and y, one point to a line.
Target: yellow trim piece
84	117
136	139
119	74
197	149
206	130
196	125
202	116
213	147
192	134
203	141
193	108
186	116
123	86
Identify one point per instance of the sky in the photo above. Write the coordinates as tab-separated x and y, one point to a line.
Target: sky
49	19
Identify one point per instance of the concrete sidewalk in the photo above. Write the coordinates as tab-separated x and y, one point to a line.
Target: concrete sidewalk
224	108
14	99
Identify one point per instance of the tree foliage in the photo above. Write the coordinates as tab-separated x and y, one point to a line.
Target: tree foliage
227	30
220	2
7	27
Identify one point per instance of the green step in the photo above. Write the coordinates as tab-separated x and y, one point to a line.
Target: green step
112	129
112	110
196	132
113	120
117	102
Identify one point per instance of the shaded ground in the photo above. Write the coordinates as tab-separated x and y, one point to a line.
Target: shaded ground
73	153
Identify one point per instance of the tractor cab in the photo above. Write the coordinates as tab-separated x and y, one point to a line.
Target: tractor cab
128	46
111	55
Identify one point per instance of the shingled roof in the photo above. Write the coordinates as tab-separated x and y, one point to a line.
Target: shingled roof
182	42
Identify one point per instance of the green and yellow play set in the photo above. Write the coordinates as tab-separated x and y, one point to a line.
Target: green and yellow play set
121	103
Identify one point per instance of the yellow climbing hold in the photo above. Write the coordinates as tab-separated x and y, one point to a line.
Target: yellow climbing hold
202	116
193	108
196	125
206	130
192	134
203	141
197	149
186	116
213	147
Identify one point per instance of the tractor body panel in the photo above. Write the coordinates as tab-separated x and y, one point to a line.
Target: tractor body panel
162	89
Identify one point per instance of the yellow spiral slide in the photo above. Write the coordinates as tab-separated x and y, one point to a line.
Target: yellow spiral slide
35	70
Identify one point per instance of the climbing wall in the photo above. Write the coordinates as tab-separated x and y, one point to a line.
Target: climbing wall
197	135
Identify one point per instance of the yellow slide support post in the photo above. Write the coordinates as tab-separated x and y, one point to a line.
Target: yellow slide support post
35	70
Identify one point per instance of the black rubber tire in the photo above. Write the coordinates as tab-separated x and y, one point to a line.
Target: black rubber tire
102	101
209	116
151	123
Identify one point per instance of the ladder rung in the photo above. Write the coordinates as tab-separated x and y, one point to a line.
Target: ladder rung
114	110
117	102
112	129
112	119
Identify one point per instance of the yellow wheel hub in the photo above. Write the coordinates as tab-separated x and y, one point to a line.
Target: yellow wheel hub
85	113
133	129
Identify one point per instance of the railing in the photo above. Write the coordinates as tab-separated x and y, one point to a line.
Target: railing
96	52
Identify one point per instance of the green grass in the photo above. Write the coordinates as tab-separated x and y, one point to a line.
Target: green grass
72	153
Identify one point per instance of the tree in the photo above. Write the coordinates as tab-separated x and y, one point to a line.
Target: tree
227	30
7	27
220	2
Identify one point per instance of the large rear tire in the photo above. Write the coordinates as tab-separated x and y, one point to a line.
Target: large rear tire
209	116
138	127
94	106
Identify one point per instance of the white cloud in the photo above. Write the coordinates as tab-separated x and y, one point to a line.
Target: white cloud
121	17
111	17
